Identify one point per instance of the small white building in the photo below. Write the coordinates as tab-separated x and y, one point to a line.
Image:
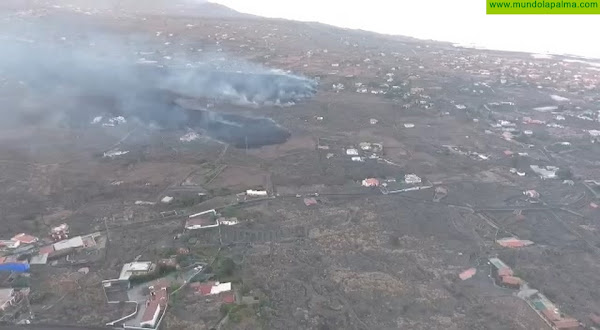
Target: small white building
412	179
220	287
531	193
258	193
228	222
545	172
75	242
351	152
167	199
135	269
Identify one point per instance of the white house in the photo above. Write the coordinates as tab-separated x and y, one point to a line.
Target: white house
262	193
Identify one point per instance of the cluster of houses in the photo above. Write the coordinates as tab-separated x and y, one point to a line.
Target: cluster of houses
365	150
23	250
391	185
151	299
150	306
549	312
58	244
17	241
409	179
504	275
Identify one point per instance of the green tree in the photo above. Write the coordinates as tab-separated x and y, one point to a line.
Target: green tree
226	267
564	174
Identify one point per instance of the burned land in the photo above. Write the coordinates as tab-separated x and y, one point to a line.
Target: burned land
270	174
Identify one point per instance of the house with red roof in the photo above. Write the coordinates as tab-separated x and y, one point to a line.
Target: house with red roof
47	249
511	281
25	239
228	298
210	288
567	324
467	274
370	182
156	305
203	289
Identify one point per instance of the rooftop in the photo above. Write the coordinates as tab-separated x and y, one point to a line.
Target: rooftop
47	249
511	280
25	239
548	172
220	287
10	244
498	263
74	242
156	302
513	242
131	267
467	274
567	323
228	298
203	288
59	229
551	314
370	182
211	288
310	201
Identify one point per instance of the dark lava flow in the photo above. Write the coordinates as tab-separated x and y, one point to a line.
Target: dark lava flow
239	131
160	109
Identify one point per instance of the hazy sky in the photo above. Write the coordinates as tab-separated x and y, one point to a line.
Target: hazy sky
460	21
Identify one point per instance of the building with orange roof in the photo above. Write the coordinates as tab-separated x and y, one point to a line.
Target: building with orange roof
511	282
25	239
228	298
370	182
551	314
567	324
513	242
155	307
467	274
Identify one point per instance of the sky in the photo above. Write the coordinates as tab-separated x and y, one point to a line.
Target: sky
457	21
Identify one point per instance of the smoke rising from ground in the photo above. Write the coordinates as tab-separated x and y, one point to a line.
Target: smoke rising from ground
91	73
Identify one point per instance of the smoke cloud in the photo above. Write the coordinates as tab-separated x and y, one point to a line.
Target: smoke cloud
48	78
